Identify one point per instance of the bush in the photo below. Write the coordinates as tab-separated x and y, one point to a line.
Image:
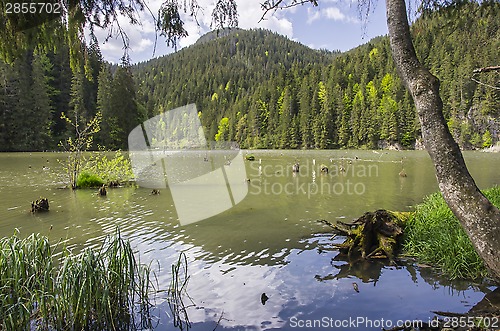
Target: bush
112	171
88	180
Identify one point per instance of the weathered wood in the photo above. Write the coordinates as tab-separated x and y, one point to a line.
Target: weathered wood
374	235
486	69
40	205
102	190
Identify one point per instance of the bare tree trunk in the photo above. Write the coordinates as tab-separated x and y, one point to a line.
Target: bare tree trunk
478	216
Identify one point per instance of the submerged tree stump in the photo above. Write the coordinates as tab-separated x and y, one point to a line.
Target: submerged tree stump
41	204
102	190
374	235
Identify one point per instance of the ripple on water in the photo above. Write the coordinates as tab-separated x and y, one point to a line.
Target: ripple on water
268	245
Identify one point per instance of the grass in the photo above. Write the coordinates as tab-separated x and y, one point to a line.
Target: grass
103	289
88	180
434	235
177	291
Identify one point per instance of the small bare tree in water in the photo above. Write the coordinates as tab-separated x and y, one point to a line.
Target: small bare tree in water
84	137
478	216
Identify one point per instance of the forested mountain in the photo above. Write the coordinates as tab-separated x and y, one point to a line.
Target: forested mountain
276	93
265	91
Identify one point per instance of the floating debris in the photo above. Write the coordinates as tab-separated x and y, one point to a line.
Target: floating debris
355	287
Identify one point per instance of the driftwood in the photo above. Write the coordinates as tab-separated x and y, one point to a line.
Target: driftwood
41	204
374	235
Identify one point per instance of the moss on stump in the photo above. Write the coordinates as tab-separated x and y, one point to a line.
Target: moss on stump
374	235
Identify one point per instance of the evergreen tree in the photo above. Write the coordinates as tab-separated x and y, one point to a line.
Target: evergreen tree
123	106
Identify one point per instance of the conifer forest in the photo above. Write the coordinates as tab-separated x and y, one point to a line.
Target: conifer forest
264	90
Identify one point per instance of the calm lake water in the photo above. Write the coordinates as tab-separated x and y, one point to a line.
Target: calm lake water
271	242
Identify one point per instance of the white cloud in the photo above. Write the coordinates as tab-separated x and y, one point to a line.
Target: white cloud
312	15
251	13
334	14
330	13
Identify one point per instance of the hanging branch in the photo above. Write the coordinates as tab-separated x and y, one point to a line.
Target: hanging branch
483	70
274	5
486	69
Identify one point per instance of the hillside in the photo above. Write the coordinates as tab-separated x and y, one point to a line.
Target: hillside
263	90
277	93
227	75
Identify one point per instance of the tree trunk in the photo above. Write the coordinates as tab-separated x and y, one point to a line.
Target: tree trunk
478	216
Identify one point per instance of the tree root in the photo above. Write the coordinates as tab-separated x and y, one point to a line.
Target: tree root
374	235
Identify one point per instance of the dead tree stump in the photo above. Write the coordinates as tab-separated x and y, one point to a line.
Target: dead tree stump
374	235
102	190
41	204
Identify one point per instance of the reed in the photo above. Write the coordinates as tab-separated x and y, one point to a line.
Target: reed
177	292
103	289
434	235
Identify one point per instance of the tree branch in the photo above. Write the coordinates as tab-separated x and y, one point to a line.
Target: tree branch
486	69
274	5
483	70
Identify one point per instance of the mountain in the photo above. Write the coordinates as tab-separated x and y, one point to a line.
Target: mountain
232	76
209	36
277	93
264	90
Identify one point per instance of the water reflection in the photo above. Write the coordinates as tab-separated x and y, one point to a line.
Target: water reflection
312	282
270	243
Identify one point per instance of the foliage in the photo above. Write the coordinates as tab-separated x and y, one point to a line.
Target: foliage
98	289
177	291
88	180
434	235
276	93
111	171
84	137
221	134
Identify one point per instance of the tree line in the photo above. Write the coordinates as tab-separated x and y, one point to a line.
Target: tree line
38	90
263	90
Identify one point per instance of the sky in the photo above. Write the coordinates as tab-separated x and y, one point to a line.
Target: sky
333	25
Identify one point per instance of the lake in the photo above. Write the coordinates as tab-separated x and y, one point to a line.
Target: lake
271	242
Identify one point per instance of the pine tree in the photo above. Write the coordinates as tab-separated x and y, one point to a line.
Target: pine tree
42	93
123	105
110	134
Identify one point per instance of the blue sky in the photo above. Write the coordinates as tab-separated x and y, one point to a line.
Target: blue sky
333	25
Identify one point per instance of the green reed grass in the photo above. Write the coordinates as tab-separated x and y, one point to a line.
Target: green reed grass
177	292
434	236
103	289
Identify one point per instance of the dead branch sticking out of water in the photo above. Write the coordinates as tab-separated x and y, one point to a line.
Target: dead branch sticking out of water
374	235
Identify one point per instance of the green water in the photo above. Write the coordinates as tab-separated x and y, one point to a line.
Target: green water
270	242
